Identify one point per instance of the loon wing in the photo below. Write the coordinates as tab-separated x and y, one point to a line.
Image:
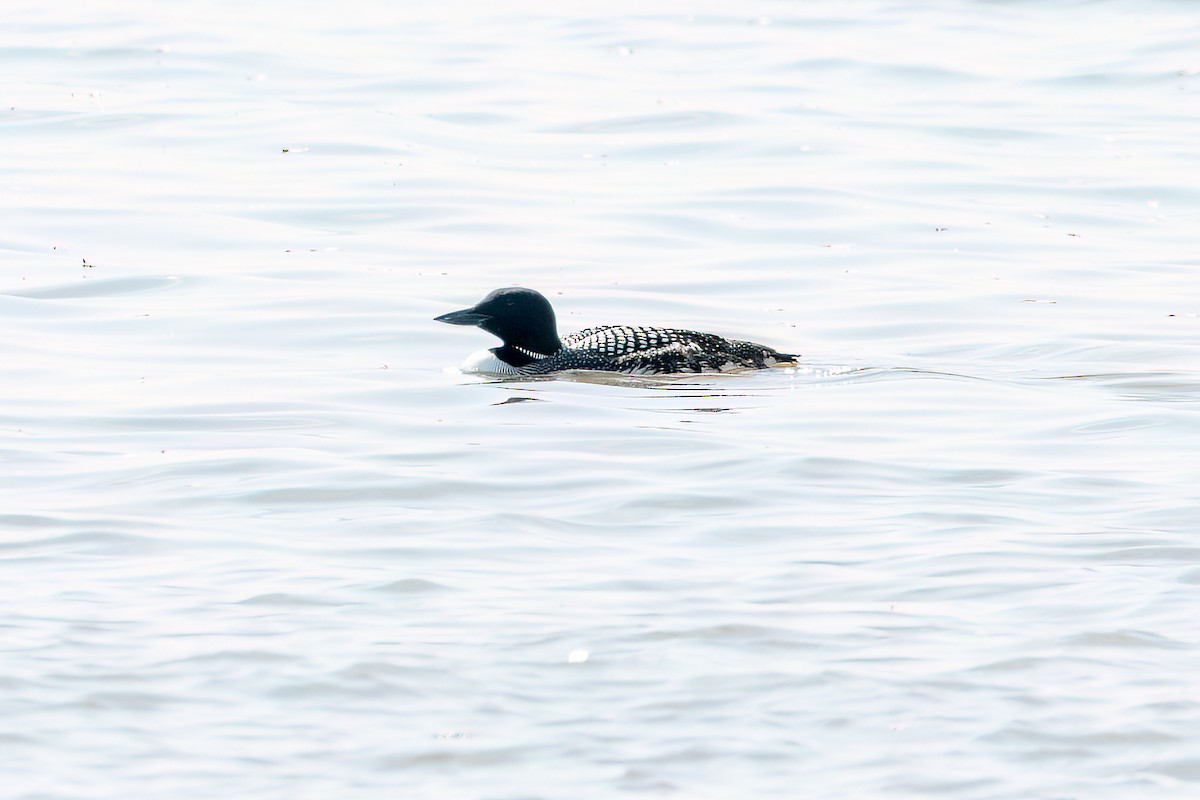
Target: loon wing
679	356
615	341
627	348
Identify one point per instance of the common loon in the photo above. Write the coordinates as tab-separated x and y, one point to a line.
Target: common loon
524	321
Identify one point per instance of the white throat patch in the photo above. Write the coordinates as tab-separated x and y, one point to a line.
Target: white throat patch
530	353
485	362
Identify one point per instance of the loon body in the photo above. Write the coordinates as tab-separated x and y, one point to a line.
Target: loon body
524	321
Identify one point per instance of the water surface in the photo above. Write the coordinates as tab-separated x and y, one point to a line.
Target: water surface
260	539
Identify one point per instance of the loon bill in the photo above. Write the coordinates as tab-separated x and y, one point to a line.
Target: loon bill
524	321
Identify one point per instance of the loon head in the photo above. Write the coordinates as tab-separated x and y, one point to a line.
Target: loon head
522	318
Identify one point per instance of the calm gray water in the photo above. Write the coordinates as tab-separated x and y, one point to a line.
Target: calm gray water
261	540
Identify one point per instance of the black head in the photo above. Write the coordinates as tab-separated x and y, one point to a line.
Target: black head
522	318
